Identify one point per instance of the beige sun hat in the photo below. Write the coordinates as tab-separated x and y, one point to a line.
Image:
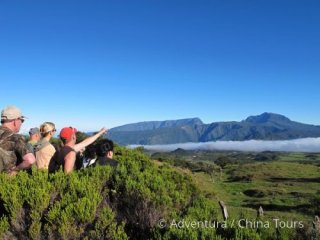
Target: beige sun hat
11	112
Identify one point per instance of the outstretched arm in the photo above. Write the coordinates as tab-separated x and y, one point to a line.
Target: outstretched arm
89	140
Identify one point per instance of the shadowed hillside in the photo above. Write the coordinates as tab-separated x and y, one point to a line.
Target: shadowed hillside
267	126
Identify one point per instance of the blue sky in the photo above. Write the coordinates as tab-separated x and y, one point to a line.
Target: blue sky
95	63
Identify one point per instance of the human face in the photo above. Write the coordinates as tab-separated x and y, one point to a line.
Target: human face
18	123
110	154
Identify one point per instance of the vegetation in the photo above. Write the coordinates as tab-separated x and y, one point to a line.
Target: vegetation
285	185
146	199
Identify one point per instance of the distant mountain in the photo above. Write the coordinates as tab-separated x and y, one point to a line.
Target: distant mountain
268	117
267	126
144	126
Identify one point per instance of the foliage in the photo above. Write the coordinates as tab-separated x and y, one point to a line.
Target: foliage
128	201
56	206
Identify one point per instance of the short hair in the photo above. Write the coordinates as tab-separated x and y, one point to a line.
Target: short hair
104	146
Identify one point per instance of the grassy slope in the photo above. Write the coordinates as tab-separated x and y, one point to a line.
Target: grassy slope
286	187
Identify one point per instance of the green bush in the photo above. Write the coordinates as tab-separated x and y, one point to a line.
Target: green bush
112	203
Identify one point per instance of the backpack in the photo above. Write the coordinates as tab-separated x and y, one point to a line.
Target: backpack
7	158
41	144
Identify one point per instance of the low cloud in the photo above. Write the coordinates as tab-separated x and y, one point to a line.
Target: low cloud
296	145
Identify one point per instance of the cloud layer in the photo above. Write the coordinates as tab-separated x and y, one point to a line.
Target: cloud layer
296	145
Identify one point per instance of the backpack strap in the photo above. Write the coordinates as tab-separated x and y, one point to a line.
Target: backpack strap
41	145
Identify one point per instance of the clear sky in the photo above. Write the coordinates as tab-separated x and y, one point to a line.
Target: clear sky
95	63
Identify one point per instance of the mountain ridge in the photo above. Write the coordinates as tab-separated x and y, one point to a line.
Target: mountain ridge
266	126
151	125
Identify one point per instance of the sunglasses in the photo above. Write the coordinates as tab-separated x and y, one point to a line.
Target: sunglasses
21	119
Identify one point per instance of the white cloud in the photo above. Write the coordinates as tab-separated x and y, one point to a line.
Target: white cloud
296	145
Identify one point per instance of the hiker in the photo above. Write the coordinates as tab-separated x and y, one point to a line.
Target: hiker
44	149
67	154
15	155
35	136
105	153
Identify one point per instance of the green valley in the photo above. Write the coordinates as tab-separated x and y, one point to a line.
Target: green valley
167	196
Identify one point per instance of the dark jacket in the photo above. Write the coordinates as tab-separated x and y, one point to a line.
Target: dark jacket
106	161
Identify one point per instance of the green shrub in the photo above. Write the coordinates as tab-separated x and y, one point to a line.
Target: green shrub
112	203
4	226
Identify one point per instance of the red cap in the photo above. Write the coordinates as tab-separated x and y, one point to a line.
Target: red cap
66	133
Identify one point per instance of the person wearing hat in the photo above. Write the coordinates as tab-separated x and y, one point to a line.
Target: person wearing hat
34	134
44	149
67	154
15	155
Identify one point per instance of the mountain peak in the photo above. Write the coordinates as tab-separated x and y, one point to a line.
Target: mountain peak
266	126
268	117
